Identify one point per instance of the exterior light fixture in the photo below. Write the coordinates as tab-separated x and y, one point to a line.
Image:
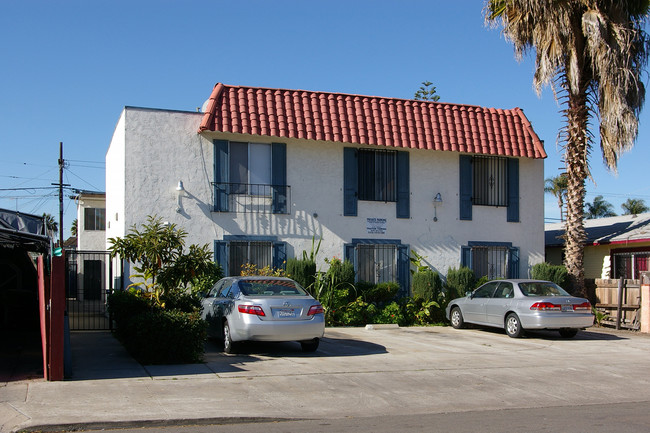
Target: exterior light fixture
436	201
180	189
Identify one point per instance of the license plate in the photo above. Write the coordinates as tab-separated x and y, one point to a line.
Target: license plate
567	307
286	313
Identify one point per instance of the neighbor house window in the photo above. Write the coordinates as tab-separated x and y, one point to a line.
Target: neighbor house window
491	259
377	175
94	218
629	265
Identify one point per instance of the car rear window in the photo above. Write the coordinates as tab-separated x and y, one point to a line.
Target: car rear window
542	289
271	288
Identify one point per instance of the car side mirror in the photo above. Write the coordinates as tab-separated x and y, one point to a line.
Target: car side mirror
469	294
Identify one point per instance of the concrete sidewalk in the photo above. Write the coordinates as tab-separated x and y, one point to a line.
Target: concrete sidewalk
355	372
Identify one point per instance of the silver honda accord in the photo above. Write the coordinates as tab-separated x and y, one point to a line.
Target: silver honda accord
517	305
262	309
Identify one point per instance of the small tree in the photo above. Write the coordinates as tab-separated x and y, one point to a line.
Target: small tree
156	252
600	208
426	92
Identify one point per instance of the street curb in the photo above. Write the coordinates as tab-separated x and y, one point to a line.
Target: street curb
111	425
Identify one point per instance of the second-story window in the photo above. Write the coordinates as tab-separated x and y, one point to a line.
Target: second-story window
94	218
490	177
250	168
377	175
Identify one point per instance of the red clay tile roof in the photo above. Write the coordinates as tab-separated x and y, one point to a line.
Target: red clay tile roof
371	120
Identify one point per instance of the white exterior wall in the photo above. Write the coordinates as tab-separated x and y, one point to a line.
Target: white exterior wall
153	149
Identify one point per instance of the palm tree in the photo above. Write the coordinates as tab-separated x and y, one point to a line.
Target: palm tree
557	186
73	228
51	225
634	206
600	208
593	53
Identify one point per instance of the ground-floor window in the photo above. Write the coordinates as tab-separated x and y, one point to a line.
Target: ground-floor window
629	265
234	252
492	260
378	261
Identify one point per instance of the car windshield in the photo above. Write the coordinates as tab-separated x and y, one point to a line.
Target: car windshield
271	288
538	288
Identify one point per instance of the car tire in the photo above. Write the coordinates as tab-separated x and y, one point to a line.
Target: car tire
568	332
228	344
310	345
513	326
456	318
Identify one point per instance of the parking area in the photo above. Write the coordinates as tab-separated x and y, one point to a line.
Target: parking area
355	372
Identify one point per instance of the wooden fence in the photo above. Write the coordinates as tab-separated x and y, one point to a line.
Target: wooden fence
614	303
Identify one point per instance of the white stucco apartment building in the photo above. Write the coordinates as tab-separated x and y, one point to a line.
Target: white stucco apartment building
260	172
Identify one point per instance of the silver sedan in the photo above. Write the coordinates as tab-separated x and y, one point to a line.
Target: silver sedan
517	305
262	309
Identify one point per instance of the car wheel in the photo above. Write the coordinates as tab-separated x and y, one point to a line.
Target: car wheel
457	318
310	345
513	326
228	344
568	332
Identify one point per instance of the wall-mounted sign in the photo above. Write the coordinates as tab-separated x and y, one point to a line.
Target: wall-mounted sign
376	226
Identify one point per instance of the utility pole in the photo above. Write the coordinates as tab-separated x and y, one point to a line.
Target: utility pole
61	185
61	164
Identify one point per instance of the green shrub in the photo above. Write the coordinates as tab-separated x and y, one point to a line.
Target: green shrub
303	271
380	293
391	313
156	335
340	272
166	337
555	273
125	305
427	285
421	312
460	281
182	301
356	313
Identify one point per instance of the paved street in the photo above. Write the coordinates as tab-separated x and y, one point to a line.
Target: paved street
355	373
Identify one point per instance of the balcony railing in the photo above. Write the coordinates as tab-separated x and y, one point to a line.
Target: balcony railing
251	198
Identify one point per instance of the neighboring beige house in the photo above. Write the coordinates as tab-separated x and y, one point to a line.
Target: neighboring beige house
91	220
615	247
261	172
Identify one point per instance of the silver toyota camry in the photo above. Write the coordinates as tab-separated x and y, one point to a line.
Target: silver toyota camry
262	309
518	305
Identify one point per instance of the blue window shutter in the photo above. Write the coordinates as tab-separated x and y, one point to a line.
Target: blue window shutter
513	271
221	255
403	192
348	252
350	181
403	270
279	177
465	187
466	256
513	190
279	255
221	176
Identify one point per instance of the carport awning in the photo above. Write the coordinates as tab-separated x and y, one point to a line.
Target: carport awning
19	230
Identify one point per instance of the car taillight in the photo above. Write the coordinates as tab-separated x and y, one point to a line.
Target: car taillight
583	306
251	309
545	306
315	309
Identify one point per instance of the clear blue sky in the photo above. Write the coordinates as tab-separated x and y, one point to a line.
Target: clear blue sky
69	67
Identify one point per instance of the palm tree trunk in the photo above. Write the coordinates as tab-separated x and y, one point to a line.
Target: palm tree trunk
576	159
